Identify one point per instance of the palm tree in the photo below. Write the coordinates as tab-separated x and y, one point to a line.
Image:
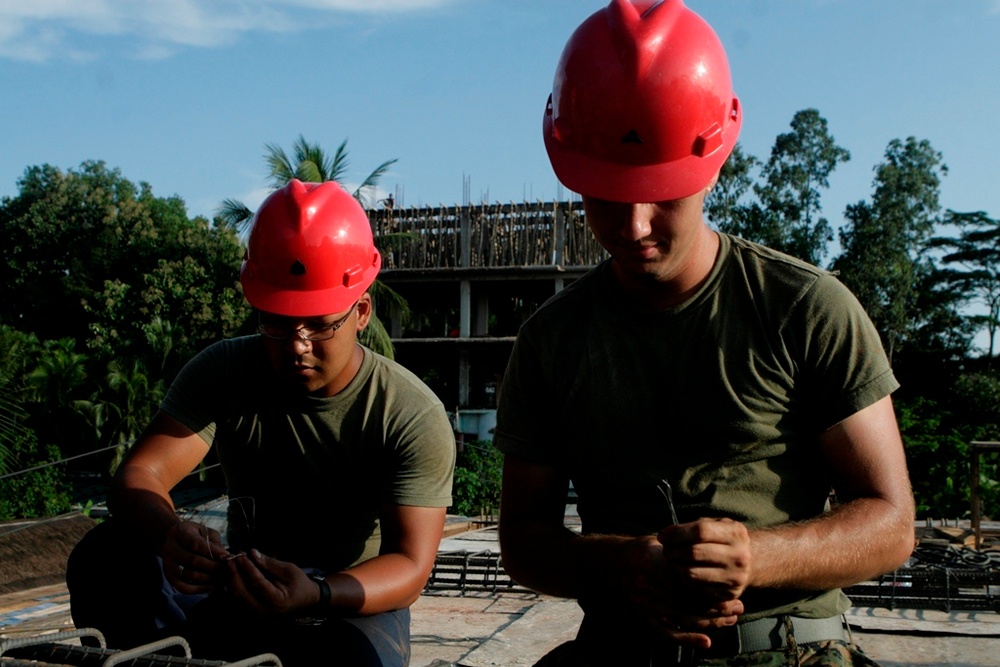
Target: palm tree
11	423
311	164
119	420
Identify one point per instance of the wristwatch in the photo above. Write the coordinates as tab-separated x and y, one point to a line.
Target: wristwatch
324	593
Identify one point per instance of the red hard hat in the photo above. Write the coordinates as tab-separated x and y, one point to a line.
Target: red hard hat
310	251
642	107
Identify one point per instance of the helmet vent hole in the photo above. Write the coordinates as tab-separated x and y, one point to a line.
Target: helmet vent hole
297	269
632	138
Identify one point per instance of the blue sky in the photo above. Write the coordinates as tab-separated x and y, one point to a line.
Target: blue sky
185	94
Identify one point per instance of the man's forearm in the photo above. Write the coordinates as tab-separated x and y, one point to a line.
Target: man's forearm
856	541
136	499
384	583
562	563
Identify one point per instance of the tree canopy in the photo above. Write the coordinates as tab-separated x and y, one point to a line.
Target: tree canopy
107	290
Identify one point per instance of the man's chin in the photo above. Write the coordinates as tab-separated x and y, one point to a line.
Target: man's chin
299	383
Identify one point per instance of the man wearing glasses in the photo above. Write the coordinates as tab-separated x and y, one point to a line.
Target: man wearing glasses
338	464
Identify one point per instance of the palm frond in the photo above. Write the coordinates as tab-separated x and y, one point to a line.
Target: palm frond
309	171
336	170
280	168
382	293
12	426
371	181
234	214
377	339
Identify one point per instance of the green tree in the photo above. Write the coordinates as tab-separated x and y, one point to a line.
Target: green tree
29	487
17	352
97	270
781	211
884	241
11	415
478	470
975	251
798	169
94	257
125	405
729	205
36	488
310	163
937	456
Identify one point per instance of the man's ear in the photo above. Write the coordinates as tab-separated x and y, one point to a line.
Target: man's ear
364	311
711	183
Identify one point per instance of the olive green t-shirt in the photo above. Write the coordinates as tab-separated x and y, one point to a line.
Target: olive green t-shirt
312	472
723	396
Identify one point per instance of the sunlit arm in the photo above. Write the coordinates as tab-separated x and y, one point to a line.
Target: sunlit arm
396	577
139	494
869	533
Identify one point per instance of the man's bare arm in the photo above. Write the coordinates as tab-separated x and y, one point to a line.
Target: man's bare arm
871	530
392	580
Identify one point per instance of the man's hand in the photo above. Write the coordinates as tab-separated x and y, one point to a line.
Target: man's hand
191	555
269	585
690	577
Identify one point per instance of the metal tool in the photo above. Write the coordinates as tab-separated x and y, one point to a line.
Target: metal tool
668	494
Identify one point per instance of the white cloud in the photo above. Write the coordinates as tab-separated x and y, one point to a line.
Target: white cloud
40	30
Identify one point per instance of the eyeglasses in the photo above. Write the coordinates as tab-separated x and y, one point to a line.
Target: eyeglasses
310	332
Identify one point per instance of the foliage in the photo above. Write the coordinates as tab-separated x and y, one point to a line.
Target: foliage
800	165
28	488
16	349
786	214
11	429
92	257
729	206
180	304
977	394
976	250
39	492
478	470
122	409
100	272
882	258
308	163
937	457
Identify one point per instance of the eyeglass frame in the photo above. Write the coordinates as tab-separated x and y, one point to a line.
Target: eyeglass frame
298	331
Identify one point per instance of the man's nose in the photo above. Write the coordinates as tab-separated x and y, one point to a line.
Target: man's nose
638	224
298	343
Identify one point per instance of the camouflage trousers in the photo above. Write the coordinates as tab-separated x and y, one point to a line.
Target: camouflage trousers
832	653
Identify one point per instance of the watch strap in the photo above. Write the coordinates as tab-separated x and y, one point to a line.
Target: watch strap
324	593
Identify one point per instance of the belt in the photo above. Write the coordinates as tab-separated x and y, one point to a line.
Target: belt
770	633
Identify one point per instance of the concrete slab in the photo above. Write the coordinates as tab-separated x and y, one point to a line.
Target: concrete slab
446	629
926	621
548	623
908	650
